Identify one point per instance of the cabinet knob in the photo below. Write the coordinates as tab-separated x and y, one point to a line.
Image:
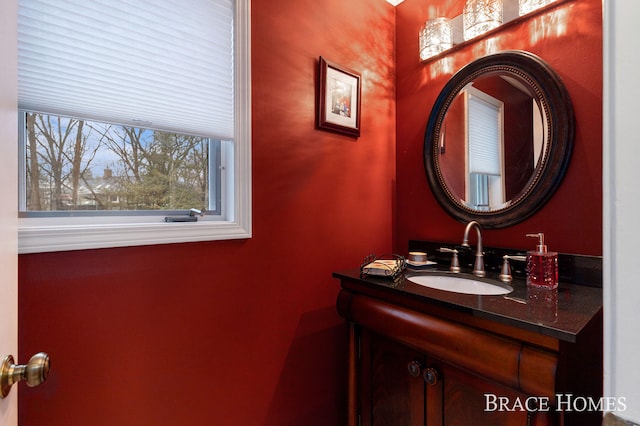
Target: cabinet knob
414	368
430	376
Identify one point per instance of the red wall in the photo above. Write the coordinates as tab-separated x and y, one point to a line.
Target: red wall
570	39
245	332
236	332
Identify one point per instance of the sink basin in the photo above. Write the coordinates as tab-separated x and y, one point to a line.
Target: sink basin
458	284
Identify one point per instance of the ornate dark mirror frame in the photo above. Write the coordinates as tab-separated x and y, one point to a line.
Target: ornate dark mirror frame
555	104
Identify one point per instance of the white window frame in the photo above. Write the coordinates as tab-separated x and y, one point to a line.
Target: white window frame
46	234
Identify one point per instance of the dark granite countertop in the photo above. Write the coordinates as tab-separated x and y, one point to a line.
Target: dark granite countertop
560	314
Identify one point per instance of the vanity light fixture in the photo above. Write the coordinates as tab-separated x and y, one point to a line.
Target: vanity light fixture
526	6
435	37
480	16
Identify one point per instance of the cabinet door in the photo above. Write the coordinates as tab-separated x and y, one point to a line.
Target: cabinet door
391	395
437	395
465	402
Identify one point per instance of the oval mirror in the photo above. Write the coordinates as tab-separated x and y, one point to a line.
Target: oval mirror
499	139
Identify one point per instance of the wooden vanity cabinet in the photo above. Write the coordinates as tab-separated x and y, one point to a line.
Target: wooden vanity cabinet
391	394
409	367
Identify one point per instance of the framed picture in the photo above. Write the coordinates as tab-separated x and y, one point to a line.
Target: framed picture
339	99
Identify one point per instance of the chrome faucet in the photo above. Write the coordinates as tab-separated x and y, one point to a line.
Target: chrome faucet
478	266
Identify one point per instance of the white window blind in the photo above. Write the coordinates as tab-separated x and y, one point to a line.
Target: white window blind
484	136
161	64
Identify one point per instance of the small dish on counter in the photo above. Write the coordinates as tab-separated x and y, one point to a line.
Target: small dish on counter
420	265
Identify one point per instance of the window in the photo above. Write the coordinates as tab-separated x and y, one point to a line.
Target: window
74	167
130	115
485	135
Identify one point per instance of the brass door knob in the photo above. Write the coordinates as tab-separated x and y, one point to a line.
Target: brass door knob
34	372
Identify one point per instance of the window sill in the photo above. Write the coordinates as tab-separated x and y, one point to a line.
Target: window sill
52	236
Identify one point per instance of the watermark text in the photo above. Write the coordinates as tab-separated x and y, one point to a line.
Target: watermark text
562	402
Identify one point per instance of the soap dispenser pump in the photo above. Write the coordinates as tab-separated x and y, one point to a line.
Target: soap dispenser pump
542	265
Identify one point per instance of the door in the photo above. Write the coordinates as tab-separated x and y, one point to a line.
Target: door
465	399
393	391
8	198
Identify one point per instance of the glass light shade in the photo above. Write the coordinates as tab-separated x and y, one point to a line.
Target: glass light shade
526	6
480	16
435	37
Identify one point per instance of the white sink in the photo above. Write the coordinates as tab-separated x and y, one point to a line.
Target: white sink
458	284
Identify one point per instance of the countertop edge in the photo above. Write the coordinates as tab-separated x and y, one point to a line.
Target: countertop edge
377	287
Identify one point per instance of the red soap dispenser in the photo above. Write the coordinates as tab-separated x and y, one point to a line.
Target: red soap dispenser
542	265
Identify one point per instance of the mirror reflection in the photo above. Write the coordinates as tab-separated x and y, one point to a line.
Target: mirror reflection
499	139
491	141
